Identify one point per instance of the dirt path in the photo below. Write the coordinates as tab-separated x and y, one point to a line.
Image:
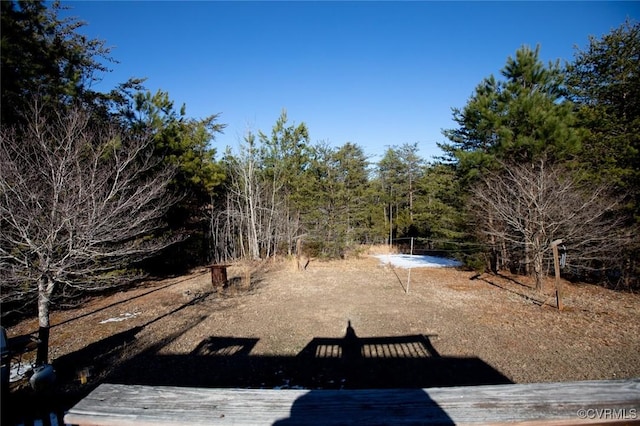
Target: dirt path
180	332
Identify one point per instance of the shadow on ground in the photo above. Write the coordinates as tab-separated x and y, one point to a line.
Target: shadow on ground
366	407
350	362
409	362
519	289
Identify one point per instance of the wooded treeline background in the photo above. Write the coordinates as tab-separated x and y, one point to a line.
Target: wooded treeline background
540	152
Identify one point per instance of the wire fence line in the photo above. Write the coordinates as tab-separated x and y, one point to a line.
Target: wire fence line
421	245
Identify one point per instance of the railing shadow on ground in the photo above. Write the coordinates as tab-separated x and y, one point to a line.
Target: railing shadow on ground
350	362
403	365
409	362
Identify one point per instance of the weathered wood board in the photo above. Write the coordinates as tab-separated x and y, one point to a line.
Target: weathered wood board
588	402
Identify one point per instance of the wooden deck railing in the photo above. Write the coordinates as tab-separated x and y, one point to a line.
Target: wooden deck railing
586	402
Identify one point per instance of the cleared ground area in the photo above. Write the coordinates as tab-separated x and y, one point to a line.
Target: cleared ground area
358	323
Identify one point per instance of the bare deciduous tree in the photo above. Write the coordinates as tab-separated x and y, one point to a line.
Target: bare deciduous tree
525	207
78	204
254	220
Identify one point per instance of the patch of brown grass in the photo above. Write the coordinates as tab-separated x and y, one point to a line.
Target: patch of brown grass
379	249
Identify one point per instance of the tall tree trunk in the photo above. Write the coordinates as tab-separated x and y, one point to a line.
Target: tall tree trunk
410	196
254	249
527	248
538	270
493	259
45	290
504	254
391	224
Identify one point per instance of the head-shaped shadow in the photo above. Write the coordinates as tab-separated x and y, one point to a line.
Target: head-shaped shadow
366	407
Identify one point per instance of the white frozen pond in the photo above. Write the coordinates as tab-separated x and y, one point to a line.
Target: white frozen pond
417	261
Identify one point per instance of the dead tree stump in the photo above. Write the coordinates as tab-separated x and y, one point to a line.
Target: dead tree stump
218	275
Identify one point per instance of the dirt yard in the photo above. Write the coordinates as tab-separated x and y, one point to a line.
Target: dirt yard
275	326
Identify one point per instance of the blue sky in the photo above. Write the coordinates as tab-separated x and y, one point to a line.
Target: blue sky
376	74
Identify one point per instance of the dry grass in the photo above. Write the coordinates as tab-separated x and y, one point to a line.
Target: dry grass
379	249
499	320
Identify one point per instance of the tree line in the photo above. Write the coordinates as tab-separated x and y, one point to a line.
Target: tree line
99	189
548	152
